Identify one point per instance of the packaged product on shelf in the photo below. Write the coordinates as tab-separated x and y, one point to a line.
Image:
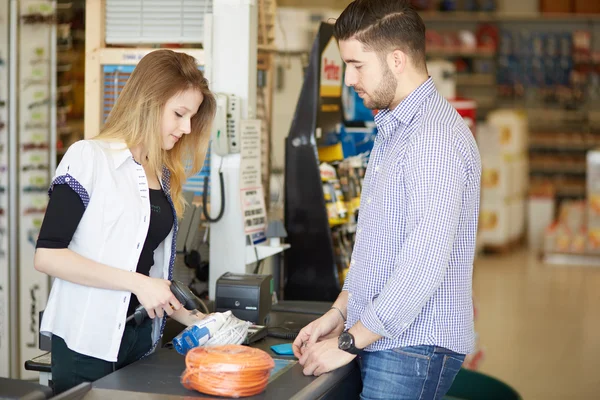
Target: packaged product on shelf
593	200
495	177
513	130
572	214
579	242
594	240
494	223
334	198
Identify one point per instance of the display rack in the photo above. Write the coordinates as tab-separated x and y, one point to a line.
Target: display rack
37	112
267	12
311	272
27	155
5	303
70	73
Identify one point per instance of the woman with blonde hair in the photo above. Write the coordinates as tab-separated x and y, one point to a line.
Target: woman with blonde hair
109	232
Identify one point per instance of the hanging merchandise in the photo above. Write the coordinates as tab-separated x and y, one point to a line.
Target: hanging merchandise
334	197
4	233
36	129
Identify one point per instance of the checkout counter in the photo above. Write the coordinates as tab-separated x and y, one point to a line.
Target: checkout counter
158	376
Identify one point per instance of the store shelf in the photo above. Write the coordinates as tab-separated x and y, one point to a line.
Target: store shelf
468	53
476	79
563	169
591	260
464	16
264	251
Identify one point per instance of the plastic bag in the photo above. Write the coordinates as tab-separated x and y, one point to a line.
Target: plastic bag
230	371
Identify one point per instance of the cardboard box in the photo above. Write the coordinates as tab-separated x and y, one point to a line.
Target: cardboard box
511	133
572	215
495	178
556	6
517	6
586	6
593	188
594	241
519	175
540	215
517	218
494	223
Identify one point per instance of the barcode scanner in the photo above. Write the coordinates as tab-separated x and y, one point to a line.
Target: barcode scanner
182	293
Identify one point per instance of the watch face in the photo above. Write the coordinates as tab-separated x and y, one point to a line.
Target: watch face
345	341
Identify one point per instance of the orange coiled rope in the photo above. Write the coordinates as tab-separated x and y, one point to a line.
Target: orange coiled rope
230	370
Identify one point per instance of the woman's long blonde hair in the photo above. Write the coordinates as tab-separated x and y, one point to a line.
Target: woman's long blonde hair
137	115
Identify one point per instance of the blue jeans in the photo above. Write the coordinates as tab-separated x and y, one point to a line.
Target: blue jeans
420	372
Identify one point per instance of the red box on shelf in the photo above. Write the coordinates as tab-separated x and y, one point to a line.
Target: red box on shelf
467	109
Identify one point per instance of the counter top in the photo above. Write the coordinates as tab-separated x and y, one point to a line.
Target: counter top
158	376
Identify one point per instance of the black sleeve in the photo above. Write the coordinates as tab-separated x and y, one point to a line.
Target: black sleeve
63	213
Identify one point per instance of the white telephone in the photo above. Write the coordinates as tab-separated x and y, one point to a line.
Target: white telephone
226	126
225	139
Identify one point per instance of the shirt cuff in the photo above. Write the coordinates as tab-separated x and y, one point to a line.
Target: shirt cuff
374	323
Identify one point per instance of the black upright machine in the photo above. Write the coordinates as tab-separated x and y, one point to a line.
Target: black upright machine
311	272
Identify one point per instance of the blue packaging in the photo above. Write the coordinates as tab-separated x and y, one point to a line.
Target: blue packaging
354	107
191	337
550	75
503	71
537	44
551	46
506	45
537	70
565	67
565	44
487	5
357	141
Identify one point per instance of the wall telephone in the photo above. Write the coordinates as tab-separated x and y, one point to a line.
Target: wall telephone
225	139
225	133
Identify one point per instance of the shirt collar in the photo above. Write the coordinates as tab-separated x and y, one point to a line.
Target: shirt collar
121	153
406	110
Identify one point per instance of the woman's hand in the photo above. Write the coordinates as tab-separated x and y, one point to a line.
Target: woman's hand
156	297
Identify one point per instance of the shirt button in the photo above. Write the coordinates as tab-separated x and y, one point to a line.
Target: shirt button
145	218
120	325
138	245
67	179
369	200
124	299
377	168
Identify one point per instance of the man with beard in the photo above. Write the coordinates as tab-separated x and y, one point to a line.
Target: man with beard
405	308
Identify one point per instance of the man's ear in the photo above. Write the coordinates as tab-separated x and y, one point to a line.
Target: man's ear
397	60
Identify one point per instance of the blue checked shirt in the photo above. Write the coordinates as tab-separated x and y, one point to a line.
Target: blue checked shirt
410	278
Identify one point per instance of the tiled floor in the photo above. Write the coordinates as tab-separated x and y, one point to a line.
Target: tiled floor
539	325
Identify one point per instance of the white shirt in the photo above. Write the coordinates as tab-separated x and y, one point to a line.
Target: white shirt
112	231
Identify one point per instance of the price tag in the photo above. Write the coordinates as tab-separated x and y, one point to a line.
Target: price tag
251	189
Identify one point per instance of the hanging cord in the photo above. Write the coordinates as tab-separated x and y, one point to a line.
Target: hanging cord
231	370
205	197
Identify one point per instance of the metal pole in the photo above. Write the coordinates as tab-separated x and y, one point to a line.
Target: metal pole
12	191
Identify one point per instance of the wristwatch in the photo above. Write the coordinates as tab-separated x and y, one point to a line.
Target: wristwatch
346	342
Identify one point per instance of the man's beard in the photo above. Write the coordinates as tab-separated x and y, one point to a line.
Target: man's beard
384	95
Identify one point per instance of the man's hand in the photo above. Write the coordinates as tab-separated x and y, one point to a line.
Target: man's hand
324	356
330	325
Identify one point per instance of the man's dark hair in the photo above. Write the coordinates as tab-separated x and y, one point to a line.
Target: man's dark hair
383	26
